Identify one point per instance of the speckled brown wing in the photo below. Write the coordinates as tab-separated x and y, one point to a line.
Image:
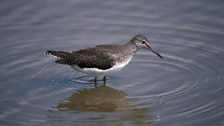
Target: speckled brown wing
88	58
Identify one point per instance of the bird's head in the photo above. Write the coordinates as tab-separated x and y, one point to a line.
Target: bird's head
142	42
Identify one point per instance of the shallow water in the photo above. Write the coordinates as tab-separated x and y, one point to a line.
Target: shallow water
184	88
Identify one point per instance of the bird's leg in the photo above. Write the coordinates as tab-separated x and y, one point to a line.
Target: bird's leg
95	82
104	80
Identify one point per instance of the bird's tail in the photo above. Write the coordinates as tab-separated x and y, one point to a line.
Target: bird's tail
58	54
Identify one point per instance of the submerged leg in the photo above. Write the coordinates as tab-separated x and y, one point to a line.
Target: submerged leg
104	80
95	82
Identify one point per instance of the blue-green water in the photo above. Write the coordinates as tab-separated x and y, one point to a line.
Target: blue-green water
185	88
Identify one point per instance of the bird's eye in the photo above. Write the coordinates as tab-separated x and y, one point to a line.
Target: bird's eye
143	42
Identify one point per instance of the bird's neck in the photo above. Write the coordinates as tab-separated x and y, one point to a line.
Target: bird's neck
132	47
126	53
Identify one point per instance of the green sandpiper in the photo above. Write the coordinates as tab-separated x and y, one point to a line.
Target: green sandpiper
102	60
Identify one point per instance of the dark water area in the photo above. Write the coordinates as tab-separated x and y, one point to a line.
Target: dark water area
186	88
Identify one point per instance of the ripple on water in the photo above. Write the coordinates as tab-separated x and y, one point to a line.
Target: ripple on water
185	84
184	87
190	82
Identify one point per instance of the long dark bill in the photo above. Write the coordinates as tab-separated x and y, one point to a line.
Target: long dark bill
154	51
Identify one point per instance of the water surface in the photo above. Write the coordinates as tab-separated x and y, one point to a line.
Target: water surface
184	88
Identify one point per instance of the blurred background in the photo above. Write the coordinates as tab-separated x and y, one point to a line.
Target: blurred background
185	88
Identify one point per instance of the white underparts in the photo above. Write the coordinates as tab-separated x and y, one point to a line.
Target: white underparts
99	72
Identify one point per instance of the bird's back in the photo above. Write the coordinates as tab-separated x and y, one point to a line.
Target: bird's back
85	58
101	56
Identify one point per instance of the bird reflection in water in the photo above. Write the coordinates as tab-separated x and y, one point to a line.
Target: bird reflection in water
106	99
100	99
